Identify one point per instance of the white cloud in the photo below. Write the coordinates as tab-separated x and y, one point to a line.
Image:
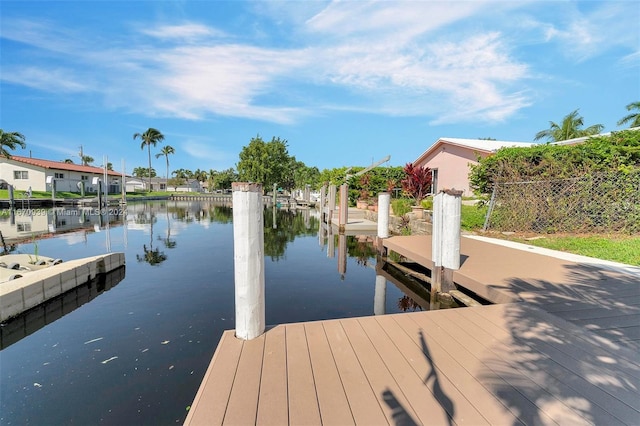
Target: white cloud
56	80
431	59
186	31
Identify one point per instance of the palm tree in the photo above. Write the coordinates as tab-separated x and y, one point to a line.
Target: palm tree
569	128
86	160
166	151
634	117
10	140
150	137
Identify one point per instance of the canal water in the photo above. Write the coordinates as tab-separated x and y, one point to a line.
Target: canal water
134	350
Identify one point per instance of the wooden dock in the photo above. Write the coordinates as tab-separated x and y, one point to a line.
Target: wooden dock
561	348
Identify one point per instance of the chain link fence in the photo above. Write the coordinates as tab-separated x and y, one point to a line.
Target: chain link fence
592	203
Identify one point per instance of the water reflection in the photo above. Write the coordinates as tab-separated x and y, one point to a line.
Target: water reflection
163	322
46	313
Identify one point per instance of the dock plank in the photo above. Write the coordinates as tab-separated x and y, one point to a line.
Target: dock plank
210	403
603	384
303	400
246	385
365	408
390	396
429	407
458	370
273	401
334	407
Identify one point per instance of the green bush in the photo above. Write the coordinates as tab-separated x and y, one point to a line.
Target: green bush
401	206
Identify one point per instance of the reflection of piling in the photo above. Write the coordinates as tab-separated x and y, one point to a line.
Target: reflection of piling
342	254
12	202
248	244
380	295
445	247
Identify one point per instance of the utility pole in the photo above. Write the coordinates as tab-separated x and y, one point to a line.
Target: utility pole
82	156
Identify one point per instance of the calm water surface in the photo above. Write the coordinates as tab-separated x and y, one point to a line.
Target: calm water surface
137	353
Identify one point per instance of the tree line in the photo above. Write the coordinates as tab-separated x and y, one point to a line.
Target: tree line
269	162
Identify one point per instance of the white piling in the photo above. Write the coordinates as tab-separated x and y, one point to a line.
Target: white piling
380	296
323	200
445	239
343	215
332	203
384	203
248	251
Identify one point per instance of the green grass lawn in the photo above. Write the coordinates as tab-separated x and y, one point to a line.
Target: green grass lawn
617	248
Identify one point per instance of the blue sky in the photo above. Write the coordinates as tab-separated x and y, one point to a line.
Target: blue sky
345	83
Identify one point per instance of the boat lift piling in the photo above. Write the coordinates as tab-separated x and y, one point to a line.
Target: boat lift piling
445	242
248	255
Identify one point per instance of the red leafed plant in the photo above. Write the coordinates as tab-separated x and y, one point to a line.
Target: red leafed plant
417	182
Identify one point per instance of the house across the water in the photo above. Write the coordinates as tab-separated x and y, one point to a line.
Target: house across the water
39	175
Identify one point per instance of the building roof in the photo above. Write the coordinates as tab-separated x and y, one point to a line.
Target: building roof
478	145
59	165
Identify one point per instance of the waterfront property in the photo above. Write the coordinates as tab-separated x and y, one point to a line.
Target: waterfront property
25	172
560	346
137	353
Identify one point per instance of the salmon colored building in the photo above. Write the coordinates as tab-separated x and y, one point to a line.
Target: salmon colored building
450	159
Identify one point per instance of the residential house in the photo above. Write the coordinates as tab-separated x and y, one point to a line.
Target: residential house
39	175
160	184
450	159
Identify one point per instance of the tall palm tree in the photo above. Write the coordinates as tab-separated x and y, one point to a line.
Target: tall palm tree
10	140
634	117
166	151
571	127
150	137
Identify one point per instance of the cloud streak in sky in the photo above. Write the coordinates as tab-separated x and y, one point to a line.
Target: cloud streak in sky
403	59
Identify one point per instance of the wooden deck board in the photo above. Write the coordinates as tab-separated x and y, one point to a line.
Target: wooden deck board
273	407
389	394
562	348
246	386
213	396
419	396
303	400
460	370
577	368
536	366
364	404
334	407
433	372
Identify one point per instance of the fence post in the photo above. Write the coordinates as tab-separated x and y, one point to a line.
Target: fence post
248	245
445	240
384	202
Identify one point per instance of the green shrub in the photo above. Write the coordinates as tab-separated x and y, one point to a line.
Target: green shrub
401	206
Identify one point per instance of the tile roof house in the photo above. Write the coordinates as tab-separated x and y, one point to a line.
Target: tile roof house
450	160
26	172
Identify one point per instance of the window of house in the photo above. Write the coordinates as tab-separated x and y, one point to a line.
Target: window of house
23	227
84	177
434	181
163	187
59	175
20	174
